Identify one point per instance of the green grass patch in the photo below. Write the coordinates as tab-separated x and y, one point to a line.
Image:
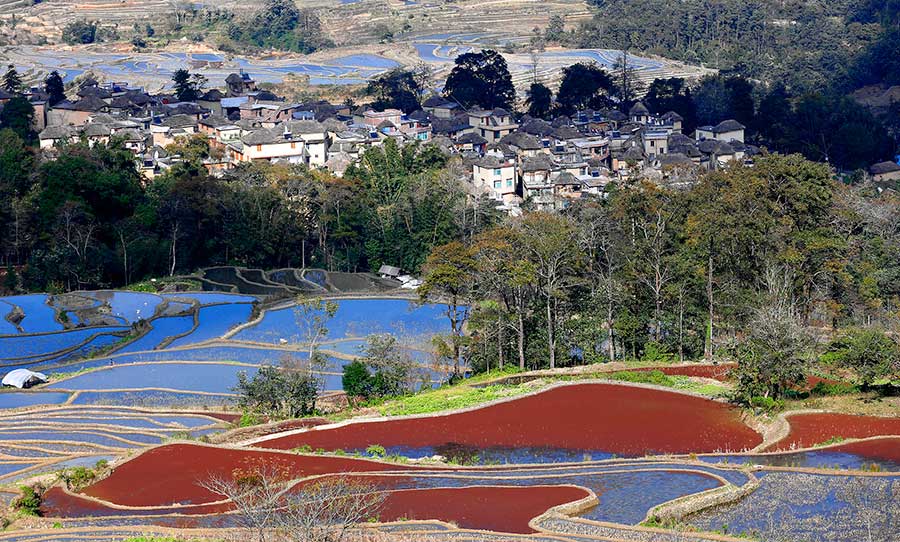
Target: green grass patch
832	440
450	398
153	286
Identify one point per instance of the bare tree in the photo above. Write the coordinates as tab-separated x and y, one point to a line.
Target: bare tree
257	496
326	509
270	507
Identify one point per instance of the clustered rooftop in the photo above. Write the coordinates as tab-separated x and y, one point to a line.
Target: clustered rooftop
547	162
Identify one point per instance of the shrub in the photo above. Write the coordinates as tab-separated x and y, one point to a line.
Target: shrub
248	419
654	351
76	478
376	450
80	32
30	501
356	381
836	388
765	403
871	353
287	392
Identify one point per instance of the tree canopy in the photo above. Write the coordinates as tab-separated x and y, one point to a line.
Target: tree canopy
584	85
481	80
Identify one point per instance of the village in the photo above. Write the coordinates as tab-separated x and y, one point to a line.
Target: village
546	162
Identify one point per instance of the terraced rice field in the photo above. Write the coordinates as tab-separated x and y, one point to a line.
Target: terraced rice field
613	495
189	348
598	419
352	65
573	462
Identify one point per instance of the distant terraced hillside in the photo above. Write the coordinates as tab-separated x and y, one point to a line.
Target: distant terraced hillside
347	22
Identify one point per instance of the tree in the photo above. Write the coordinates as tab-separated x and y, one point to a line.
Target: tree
775	355
288	391
548	240
80	32
12	82
627	81
392	366
449	277
321	509
188	87
192	150
54	88
600	239
481	80
720	97
17	115
397	89
10	280
505	272
673	94
356	380
15	164
556	28
650	214
870	353
311	317
584	85
280	25
540	99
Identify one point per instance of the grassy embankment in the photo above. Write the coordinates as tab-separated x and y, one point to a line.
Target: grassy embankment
478	390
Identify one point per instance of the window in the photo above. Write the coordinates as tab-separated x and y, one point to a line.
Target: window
496	172
508	183
498	184
259	148
293	145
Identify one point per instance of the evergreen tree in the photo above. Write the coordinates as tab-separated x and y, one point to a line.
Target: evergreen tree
188	87
584	85
397	89
12	82
11	280
539	101
55	88
17	115
481	80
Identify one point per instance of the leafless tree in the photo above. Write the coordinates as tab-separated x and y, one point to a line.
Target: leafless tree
326	509
270	507
257	496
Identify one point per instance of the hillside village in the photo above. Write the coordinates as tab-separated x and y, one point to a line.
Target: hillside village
546	162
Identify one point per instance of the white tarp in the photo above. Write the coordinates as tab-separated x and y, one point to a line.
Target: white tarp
23	378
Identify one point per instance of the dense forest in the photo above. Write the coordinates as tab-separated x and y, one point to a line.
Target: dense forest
800	61
753	263
808	46
672	273
84	219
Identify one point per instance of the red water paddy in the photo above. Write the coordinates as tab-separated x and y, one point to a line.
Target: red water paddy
810	429
625	420
501	509
882	449
169	475
57	503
